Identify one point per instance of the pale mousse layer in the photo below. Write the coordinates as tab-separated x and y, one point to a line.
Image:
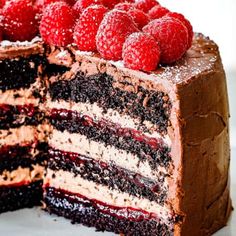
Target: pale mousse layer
80	144
77	185
22	175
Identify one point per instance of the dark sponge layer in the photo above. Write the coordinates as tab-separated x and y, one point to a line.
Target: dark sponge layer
146	105
85	213
14	198
108	175
11	157
20	73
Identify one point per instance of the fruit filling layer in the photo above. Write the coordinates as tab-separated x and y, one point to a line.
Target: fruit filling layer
129	221
16	116
109	175
76	184
11	157
146	148
151	106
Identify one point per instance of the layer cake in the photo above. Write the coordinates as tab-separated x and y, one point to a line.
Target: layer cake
138	153
122	150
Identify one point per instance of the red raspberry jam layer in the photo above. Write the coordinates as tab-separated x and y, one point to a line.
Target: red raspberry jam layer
63	114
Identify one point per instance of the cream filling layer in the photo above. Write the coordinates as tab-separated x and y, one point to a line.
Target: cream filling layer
75	184
19	97
78	143
21	175
24	134
97	113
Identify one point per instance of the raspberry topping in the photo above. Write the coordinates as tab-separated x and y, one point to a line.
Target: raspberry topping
186	23
2	3
81	5
124	6
141	52
157	12
19	20
172	36
139	17
87	26
146	5
57	24
41	4
111	3
112	33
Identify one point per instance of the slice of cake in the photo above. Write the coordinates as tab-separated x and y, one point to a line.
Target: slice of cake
22	138
139	153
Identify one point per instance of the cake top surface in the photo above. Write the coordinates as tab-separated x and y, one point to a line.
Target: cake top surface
202	57
155	43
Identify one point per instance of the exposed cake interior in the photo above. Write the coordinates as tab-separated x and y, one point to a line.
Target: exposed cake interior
109	150
23	130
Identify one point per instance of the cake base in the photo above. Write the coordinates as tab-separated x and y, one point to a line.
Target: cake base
14	198
86	213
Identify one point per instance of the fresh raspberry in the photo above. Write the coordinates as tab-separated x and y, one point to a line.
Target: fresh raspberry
157	12
124	6
115	27
111	3
56	27
2	3
81	5
87	26
141	52
19	20
146	5
41	4
186	23
172	36
139	17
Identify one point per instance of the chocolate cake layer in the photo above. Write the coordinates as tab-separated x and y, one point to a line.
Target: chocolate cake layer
20	72
109	175
146	105
55	70
159	156
82	210
14	198
16	116
11	157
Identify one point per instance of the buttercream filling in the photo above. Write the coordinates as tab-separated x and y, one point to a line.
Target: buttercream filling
21	175
24	134
77	143
75	184
97	113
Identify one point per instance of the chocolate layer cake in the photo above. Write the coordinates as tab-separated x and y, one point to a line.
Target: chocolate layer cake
128	152
22	126
139	153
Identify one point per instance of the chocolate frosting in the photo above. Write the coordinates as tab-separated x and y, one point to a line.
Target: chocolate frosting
199	131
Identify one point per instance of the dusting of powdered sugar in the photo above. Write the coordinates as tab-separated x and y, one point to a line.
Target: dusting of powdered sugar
6	43
119	64
84	53
62	54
